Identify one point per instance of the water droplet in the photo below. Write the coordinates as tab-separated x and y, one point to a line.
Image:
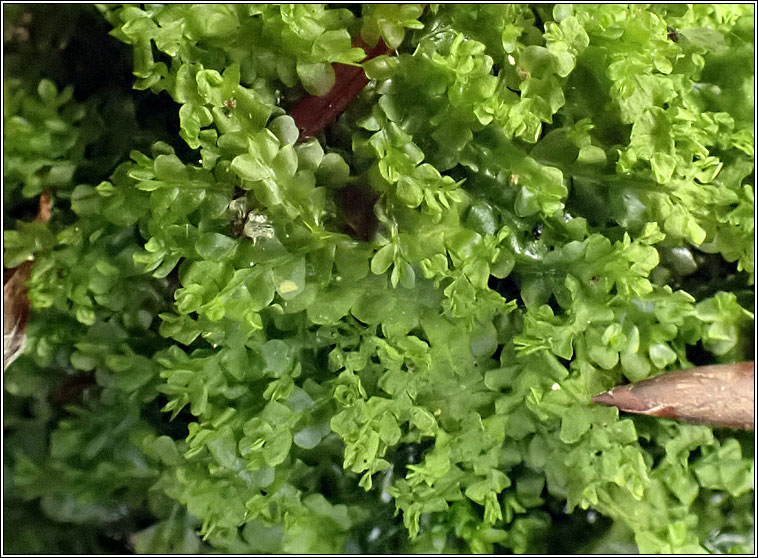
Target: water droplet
531	253
717	498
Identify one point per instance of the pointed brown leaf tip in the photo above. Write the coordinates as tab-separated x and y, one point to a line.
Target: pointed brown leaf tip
604	398
624	398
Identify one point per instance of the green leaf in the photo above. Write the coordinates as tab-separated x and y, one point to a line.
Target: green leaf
263	538
536	61
561	201
725	469
526	203
333	170
309	438
85	200
661	355
289	278
276	355
47	91
372	307
285	129
250	167
212	21
484	340
223	448
383	259
317	78
214	246
170	168
332	305
574	425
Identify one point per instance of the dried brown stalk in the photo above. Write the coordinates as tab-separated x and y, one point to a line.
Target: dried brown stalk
16	299
718	395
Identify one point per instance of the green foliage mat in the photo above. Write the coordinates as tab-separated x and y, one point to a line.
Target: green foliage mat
227	352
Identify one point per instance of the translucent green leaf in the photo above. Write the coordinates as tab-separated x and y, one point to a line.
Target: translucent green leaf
214	246
277	357
277	449
250	167
383	259
289	278
317	78
309	438
332	304
661	355
484	340
223	448
170	168
285	129
333	170
526	203
371	308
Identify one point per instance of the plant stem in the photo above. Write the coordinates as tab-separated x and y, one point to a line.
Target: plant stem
718	395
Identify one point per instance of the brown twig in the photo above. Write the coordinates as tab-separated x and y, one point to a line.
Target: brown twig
718	395
16	297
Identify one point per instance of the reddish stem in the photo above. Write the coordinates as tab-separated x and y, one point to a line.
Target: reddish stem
312	114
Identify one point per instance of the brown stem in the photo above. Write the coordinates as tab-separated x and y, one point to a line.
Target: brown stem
718	395
16	299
